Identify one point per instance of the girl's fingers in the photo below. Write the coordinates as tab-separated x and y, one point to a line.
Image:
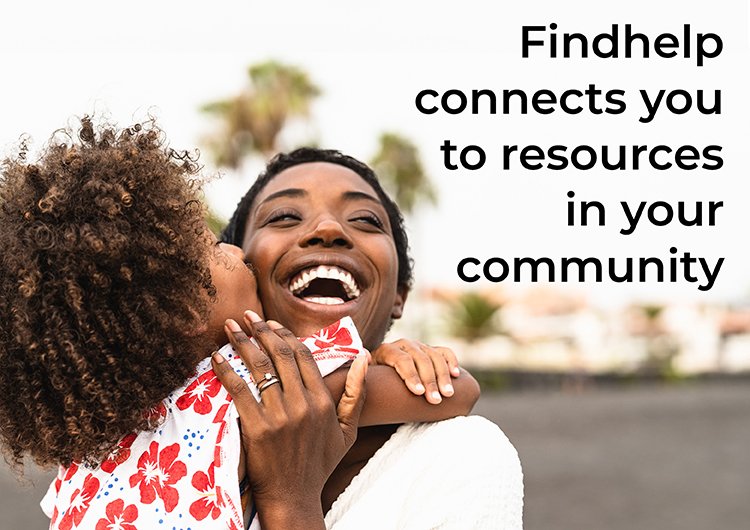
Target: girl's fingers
442	371
393	356
450	358
426	371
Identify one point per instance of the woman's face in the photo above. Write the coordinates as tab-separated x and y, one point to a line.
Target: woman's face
322	248
236	290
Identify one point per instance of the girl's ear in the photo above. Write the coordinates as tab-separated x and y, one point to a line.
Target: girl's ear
198	326
196	331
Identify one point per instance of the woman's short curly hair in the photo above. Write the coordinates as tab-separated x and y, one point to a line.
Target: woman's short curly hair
234	232
105	271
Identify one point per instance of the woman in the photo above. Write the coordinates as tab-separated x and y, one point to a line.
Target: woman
313	208
114	290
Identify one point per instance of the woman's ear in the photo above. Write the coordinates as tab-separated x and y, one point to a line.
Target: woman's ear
398	304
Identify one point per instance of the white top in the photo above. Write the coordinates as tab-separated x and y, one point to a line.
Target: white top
455	474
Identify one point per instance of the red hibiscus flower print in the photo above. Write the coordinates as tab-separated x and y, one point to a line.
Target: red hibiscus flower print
58	480
222	412
218	450
198	394
120	454
157	473
210	500
119	517
79	503
70	472
156	412
333	335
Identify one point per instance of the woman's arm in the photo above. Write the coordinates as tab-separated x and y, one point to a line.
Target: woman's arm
390	401
297	434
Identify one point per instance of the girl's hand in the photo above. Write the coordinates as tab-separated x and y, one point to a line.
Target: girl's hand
296	435
426	370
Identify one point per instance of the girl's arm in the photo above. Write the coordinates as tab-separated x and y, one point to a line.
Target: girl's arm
390	401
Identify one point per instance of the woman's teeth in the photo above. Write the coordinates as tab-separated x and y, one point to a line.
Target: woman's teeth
325	300
302	281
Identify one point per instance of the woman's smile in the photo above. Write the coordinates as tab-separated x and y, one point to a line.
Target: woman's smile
326	280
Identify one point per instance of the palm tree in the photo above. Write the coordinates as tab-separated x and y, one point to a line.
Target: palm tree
398	165
253	119
473	316
661	346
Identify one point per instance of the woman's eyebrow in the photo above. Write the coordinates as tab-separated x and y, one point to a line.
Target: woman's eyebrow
289	192
358	195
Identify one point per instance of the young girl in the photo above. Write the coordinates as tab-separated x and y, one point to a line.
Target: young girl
114	293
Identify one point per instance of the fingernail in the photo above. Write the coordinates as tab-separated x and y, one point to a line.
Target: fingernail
217	357
455	371
448	389
436	396
252	316
419	387
273	324
233	326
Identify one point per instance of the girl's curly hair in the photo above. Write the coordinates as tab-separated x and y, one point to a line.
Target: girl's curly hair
104	273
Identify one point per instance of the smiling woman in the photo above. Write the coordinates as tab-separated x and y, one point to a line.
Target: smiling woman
327	242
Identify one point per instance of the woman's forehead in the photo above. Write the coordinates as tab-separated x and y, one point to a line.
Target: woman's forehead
316	177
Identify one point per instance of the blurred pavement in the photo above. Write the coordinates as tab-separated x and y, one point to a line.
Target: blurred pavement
642	458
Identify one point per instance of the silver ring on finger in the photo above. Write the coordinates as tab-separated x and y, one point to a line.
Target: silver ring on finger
267	382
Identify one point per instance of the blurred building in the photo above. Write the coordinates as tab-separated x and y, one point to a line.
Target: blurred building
545	329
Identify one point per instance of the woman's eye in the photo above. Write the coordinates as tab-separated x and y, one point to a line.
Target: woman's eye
370	220
283	216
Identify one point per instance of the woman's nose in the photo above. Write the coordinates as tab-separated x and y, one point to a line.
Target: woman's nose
328	233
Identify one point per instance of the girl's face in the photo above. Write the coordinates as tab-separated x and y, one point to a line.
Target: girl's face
236	289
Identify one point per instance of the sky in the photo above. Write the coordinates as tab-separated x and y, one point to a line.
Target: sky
127	61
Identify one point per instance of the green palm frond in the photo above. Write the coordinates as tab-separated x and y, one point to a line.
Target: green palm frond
473	316
252	120
398	166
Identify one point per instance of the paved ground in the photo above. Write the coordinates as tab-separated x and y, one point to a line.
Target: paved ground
646	458
639	458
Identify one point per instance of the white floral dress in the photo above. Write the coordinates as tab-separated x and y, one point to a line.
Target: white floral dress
183	475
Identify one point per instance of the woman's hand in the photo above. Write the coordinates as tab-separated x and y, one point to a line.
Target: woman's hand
426	370
296	435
